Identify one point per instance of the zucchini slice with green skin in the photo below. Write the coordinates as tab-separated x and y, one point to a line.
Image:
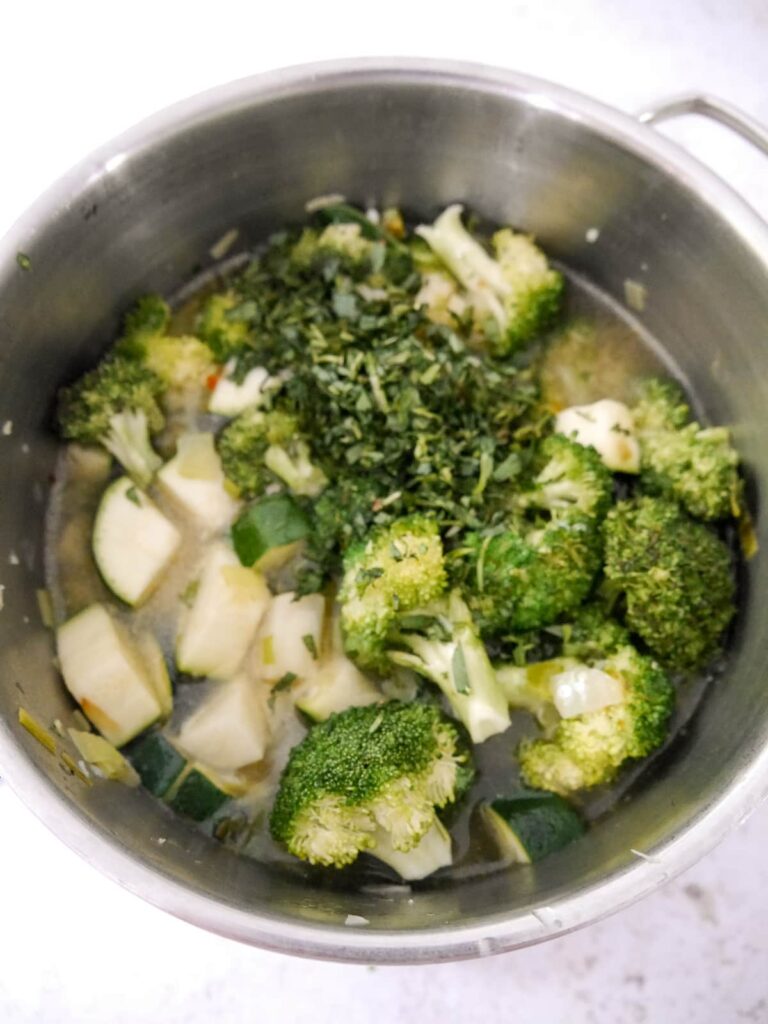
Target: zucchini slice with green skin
226	610
532	824
432	852
157	761
338	685
267	533
132	542
197	796
104	671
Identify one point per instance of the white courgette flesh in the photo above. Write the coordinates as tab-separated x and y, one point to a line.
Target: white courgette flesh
230	729
289	638
220	625
430	854
229	398
133	542
104	671
338	684
157	672
195	481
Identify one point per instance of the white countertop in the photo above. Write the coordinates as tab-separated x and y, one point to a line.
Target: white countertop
76	949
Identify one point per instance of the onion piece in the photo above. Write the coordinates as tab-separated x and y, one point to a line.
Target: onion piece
582	689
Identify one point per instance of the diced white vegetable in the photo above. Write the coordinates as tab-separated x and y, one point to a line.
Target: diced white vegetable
229	398
133	542
157	672
195	480
431	853
230	729
226	610
580	690
290	637
104	671
337	685
609	427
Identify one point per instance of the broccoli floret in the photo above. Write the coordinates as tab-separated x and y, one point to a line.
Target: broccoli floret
397	568
345	240
675	574
387	766
148	319
661	405
517	295
571	477
695	465
442	644
258	449
593	634
223	327
588	749
528	576
115	406
180	362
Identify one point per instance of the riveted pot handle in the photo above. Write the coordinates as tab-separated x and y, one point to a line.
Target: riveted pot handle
742	124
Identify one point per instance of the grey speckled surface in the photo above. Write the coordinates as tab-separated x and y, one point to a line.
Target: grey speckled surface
74	947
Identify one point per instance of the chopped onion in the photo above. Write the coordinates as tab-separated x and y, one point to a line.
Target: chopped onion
580	690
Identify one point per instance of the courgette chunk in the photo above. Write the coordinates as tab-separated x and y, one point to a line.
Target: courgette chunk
195	481
268	532
197	796
104	671
532	824
133	542
231	728
226	610
157	761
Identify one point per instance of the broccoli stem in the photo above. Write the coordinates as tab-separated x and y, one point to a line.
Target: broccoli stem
462	670
128	440
432	852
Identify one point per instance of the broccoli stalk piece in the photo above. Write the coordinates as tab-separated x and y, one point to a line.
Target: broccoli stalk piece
527	576
396	569
115	406
697	466
442	644
516	294
179	361
432	852
675	575
382	767
588	748
258	449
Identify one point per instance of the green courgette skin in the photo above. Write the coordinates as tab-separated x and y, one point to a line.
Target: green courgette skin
157	761
533	824
197	797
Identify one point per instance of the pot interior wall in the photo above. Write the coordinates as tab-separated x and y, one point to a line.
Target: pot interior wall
145	219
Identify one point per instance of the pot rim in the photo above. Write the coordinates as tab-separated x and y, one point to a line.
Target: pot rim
458	941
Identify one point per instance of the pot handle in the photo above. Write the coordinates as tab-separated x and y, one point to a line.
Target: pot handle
745	126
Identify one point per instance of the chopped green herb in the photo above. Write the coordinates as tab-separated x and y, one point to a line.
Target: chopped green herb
23	261
309	642
133	495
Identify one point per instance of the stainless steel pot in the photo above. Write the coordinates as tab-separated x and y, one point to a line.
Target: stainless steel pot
143	213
